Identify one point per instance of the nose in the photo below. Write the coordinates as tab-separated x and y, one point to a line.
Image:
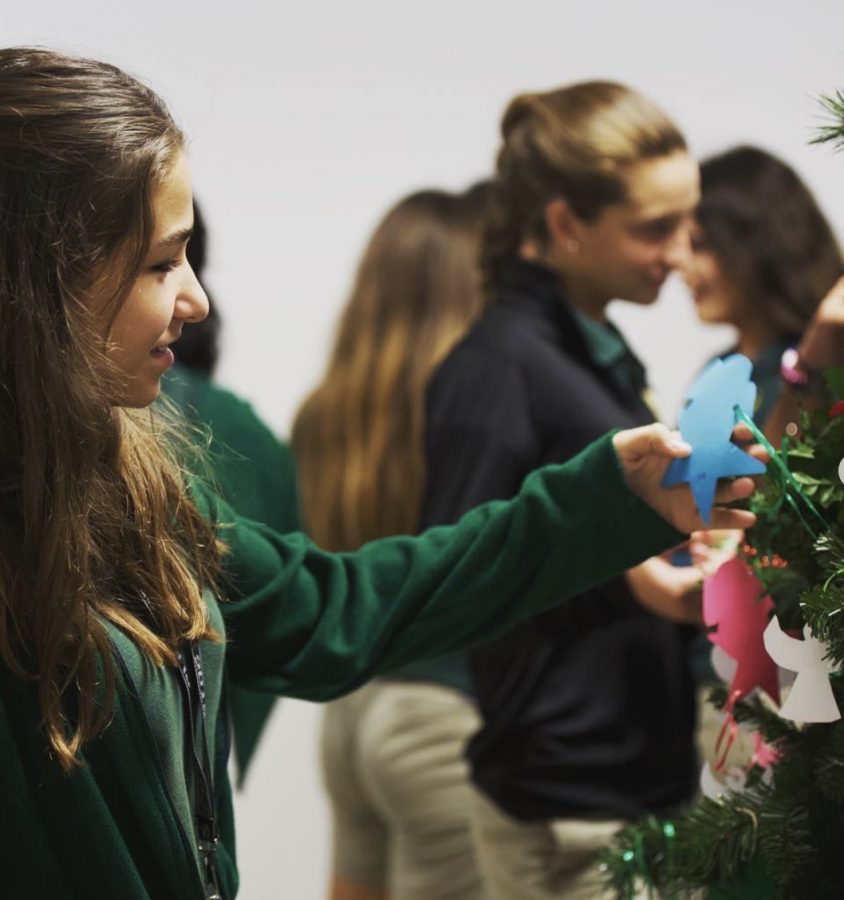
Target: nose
678	251
192	302
690	270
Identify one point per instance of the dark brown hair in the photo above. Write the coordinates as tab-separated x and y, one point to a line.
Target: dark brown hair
94	519
769	235
575	143
358	438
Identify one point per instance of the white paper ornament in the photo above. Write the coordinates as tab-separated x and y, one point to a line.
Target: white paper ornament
811	698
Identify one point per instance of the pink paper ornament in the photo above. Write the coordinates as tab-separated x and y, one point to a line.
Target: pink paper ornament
733	603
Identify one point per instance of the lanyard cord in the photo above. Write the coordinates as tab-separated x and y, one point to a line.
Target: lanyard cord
205	812
192	682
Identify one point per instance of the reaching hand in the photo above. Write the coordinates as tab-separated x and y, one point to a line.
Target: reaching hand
711	549
672	592
645	454
822	345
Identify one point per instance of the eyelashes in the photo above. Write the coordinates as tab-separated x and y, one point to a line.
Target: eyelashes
167	266
179	258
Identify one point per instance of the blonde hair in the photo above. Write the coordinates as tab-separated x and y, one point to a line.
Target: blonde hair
95	523
576	143
358	438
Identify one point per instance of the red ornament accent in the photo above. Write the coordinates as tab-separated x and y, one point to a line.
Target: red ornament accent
764	755
837	409
764	561
735	603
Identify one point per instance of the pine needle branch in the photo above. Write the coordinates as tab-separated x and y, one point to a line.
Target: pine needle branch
833	132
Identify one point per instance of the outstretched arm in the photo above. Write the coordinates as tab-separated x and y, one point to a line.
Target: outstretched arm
314	624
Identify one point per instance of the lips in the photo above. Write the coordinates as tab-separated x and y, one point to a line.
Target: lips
161	348
163	357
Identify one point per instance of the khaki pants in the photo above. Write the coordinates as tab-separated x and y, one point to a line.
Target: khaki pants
392	759
539	860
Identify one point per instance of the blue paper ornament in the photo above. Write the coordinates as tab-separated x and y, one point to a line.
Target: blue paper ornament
706	422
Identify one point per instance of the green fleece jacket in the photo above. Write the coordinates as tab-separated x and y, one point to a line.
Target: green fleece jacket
310	624
256	474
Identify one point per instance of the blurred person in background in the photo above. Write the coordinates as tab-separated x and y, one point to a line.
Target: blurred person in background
392	752
587	711
766	261
763	259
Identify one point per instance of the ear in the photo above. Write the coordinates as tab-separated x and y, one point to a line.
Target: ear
565	228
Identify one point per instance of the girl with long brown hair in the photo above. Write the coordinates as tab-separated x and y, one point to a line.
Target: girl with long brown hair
392	751
765	260
359	436
113	649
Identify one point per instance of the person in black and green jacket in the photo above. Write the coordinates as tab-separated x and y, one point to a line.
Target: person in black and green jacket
130	595
252	469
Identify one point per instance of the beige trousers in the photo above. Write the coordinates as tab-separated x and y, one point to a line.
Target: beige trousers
392	759
553	860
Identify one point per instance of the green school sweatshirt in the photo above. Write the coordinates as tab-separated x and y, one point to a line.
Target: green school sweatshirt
309	624
256	474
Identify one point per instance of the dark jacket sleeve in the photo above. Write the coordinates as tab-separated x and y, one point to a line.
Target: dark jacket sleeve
313	624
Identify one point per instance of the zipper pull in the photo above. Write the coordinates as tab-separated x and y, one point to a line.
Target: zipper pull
208	850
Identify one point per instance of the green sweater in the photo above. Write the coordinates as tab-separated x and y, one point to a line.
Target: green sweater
254	471
256	474
310	624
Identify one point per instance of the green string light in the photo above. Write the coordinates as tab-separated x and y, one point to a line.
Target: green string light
669	833
636	863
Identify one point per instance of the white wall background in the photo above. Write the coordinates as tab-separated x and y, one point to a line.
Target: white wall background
308	120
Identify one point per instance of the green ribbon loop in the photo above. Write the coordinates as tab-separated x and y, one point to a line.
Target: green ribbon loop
788	480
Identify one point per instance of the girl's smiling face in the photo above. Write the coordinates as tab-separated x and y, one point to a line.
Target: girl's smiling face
634	246
164	296
628	250
718	298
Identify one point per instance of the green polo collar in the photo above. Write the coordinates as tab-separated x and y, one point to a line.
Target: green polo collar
606	345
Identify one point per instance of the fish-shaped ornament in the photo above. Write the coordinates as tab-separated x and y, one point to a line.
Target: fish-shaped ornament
706	422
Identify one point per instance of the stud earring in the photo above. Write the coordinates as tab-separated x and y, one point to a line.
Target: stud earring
572	246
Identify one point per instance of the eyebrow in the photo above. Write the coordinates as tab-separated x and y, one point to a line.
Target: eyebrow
175	238
664	219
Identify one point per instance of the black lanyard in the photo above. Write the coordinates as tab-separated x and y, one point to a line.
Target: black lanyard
205	810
